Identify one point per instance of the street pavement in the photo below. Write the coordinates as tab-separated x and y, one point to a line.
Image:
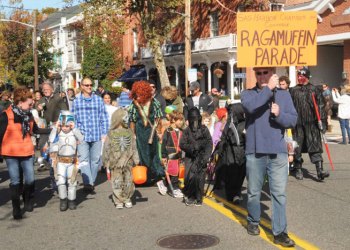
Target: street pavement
318	215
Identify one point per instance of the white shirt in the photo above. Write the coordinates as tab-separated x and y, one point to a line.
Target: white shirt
110	110
196	101
344	105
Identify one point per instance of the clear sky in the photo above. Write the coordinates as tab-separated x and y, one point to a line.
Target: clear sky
39	4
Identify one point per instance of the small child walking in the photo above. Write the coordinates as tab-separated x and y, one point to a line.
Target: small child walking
64	137
171	152
120	155
196	142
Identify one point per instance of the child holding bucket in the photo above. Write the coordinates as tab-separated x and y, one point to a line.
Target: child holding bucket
171	152
120	155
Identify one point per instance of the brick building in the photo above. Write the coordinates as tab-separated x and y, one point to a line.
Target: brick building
214	44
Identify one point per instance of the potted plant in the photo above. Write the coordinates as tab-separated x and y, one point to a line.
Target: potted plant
218	72
199	75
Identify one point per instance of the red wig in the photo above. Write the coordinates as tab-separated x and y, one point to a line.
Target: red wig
141	91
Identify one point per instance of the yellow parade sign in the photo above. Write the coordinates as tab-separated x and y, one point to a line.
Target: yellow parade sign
276	38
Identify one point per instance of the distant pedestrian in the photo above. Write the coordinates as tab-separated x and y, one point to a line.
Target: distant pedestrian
92	120
124	98
343	112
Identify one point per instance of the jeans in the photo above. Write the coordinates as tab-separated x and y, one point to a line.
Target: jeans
89	154
344	126
276	167
15	165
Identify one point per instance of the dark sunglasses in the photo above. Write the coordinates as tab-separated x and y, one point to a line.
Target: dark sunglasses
87	85
259	73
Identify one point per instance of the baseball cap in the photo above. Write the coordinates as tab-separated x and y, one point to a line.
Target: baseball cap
194	85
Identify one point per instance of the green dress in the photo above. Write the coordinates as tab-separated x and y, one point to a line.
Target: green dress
148	153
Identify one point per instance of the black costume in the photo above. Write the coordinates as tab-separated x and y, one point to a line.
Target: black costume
307	131
196	142
230	152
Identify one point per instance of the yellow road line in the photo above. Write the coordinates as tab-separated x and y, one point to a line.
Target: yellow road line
241	219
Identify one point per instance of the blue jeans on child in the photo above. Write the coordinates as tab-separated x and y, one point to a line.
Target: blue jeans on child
26	164
89	154
276	168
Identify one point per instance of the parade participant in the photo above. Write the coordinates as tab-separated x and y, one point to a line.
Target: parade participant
108	105
120	155
92	120
219	126
199	100
307	132
145	114
230	165
171	97
197	144
171	152
208	121
66	137
16	146
268	112
284	82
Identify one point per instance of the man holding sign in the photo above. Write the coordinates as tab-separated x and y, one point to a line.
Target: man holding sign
269	112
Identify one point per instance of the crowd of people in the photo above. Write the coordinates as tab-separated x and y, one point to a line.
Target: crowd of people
257	139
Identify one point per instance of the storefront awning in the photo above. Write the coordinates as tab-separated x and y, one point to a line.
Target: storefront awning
133	74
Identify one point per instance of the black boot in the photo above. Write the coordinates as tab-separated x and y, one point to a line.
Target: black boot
72	205
16	205
63	205
321	174
28	197
299	172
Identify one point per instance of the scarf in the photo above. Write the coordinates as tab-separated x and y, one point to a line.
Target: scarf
25	118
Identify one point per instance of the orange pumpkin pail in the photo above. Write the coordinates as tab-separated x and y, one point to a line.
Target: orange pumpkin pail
182	171
139	174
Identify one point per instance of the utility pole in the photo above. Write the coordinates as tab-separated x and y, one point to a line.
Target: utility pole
187	42
35	53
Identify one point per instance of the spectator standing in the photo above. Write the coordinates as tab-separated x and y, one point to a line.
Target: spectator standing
215	95
124	98
171	97
70	98
268	112
100	90
284	82
327	94
108	105
199	100
5	100
158	97
92	121
16	126
307	133
343	112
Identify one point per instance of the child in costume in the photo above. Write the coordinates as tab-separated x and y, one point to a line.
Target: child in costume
120	155
171	152
196	142
64	138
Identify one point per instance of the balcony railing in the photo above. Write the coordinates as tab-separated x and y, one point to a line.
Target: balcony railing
203	44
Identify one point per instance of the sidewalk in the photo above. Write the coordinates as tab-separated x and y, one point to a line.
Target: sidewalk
334	136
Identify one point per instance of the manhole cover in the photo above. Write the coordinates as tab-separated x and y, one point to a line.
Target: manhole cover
188	241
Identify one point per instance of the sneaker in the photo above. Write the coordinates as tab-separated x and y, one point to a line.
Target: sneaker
128	204
253	229
189	202
119	205
198	203
42	167
178	193
237	199
162	188
283	240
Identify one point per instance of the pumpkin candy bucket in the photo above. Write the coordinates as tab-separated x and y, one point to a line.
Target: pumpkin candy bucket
182	171
139	174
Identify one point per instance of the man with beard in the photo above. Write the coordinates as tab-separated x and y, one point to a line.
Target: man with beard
197	144
307	131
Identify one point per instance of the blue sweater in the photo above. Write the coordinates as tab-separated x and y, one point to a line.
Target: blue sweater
265	135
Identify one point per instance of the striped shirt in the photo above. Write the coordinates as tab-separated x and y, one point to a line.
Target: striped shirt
91	117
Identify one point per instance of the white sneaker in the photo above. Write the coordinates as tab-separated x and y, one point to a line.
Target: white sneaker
128	204
178	193
119	205
162	188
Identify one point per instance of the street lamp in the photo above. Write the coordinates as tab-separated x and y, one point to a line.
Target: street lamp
35	47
